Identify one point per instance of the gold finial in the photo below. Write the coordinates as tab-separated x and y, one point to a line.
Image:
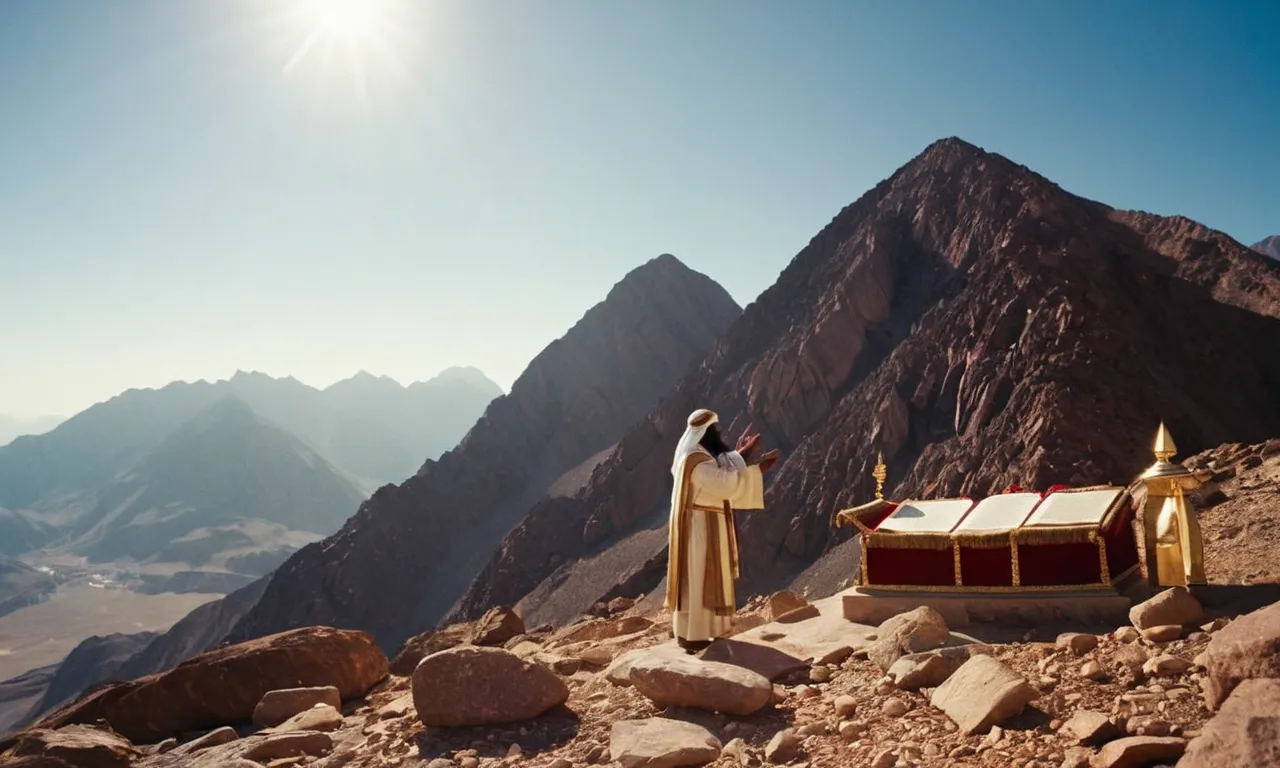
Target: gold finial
1164	447
880	473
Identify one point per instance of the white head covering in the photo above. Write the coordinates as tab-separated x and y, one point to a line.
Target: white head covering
698	423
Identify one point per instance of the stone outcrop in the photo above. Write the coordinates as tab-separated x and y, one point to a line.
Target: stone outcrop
919	630
1248	647
225	686
1246	731
280	705
661	743
1139	752
983	692
427	643
1028	289
436	530
76	745
497	626
483	686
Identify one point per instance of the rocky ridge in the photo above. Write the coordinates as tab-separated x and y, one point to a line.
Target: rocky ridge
954	316
1269	246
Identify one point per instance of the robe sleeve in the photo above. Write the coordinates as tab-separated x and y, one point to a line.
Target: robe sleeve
742	488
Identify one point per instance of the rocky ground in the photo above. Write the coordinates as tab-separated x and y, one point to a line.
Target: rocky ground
796	685
1239	512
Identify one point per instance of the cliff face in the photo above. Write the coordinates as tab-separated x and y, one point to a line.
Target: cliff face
411	549
972	319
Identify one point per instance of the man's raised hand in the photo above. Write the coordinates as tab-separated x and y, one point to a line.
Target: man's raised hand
747	445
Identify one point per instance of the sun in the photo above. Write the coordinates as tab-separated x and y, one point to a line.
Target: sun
347	20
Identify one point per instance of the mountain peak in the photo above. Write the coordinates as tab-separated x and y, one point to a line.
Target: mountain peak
1269	246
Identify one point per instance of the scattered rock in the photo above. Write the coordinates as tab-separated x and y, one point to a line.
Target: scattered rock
427	643
1139	752
845	706
784	602
919	630
1130	658
1092	670
279	705
467	686
894	707
289	745
78	745
321	717
1176	606
1077	642
803	613
1164	633
736	750
926	670
885	758
784	747
850	731
1165	665
1248	647
983	692
213	738
661	743
685	681
1126	634
497	626
1246	731
1090	728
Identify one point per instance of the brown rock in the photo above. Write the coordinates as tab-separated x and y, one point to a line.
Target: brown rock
1126	634
225	685
280	705
1092	670
894	707
765	660
1248	647
497	626
1246	731
784	602
284	745
1175	606
321	717
983	692
1139	752
213	738
845	706
661	743
1130	658
78	745
427	643
803	613
684	681
1164	633
483	686
784	747
1077	642
1166	665
926	670
919	630
1090	728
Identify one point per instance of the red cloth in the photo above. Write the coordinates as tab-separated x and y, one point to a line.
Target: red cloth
986	567
910	567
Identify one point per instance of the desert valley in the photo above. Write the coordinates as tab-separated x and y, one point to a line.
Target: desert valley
462	577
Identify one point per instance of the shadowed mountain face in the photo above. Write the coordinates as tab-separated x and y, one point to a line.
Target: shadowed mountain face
12	427
969	317
371	428
1269	247
430	535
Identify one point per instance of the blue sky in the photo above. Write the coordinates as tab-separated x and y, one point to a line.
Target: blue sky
175	205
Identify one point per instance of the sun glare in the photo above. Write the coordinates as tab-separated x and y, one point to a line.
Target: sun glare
346	19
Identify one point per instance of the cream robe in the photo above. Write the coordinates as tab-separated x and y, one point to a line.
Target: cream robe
728	480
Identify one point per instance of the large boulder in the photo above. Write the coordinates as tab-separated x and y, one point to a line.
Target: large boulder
1175	606
278	706
983	692
1246	648
926	670
1246	731
661	743
224	686
919	630
432	641
1139	752
686	681
78	745
497	626
471	685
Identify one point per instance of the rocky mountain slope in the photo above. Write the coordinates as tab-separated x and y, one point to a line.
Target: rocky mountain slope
976	322
22	585
374	429
430	535
12	427
1269	246
1239	512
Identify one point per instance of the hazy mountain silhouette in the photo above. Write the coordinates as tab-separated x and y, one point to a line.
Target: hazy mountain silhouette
1269	246
13	426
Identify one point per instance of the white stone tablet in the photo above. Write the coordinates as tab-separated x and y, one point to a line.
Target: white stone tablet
935	516
1073	507
1002	512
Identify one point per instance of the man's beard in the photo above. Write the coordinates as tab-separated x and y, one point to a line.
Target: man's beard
714	443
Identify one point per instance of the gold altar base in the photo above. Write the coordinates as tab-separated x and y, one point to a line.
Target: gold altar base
1101	605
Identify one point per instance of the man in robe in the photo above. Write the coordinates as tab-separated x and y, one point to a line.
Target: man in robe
710	482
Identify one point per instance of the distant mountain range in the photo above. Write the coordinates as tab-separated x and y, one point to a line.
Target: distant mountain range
13	426
232	475
1270	246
